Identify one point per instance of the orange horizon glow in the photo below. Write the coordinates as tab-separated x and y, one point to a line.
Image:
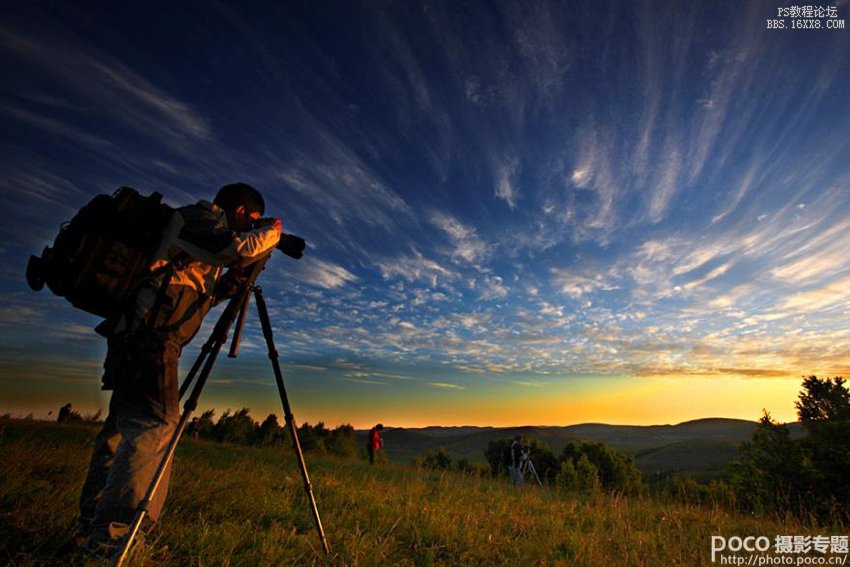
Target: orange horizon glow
613	401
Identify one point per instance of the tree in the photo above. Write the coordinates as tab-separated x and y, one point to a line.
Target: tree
342	441
436	460
823	402
567	475
498	456
269	432
313	438
545	462
772	472
587	475
237	428
810	475
206	425
614	471
824	411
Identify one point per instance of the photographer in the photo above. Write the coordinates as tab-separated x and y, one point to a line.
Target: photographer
515	460
144	345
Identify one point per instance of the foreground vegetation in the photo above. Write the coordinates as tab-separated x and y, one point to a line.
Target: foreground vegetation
237	505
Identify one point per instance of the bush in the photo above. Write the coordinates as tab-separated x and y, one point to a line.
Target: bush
613	471
435	460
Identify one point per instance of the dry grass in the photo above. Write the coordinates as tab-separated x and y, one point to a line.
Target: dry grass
246	506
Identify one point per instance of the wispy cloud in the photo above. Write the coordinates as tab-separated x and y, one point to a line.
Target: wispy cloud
576	285
321	273
446	385
836	294
116	89
506	189
467	247
342	186
415	267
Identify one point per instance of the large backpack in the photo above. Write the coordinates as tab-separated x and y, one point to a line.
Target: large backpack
100	256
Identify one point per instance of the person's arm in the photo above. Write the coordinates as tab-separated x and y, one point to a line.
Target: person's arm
206	237
253	244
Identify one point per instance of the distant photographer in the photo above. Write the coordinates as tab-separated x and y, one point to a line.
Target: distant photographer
516	456
144	344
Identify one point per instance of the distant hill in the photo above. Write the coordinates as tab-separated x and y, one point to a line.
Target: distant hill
693	446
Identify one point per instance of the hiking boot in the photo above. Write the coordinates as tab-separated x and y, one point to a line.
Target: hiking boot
109	542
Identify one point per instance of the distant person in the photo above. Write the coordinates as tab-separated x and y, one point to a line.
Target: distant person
65	413
515	459
144	342
375	442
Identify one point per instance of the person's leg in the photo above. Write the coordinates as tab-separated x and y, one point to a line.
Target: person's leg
516	475
102	457
147	403
147	415
148	408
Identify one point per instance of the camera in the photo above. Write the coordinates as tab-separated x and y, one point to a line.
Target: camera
291	245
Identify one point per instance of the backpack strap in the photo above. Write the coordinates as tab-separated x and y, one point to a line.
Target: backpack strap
168	272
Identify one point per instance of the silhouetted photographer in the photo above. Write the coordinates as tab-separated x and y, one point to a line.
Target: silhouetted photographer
145	340
154	273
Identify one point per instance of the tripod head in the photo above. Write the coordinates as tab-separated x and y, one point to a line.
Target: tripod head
291	245
243	295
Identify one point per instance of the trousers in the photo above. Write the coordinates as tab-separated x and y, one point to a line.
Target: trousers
141	369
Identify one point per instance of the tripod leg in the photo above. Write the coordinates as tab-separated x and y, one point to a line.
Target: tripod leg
202	356
534	472
205	350
290	419
218	338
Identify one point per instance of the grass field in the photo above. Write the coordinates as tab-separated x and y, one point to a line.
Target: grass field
246	506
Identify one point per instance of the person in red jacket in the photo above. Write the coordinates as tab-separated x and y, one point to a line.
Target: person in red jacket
373	445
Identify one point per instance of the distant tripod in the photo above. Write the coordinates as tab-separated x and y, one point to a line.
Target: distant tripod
526	466
235	311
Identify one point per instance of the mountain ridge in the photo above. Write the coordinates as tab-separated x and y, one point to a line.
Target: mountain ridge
694	446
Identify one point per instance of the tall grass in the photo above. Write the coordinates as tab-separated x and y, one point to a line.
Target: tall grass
234	505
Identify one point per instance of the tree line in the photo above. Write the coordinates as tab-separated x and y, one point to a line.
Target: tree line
584	466
240	428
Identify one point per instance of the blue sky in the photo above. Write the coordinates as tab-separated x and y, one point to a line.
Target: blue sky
517	212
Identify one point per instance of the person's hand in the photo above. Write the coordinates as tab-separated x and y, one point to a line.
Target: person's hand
276	223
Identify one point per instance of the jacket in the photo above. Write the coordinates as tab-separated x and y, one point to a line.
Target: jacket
200	244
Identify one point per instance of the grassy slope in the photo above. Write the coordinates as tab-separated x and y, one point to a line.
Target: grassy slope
246	506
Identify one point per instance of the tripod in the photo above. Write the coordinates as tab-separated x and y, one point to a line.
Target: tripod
235	310
526	466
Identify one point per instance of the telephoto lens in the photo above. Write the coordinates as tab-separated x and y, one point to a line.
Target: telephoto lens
291	245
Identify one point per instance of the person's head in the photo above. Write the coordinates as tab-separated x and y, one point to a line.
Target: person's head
379	427
241	203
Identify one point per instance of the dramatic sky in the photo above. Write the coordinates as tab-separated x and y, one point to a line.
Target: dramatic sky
517	212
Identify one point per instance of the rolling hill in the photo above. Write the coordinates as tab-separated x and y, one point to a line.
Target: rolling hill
693	446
